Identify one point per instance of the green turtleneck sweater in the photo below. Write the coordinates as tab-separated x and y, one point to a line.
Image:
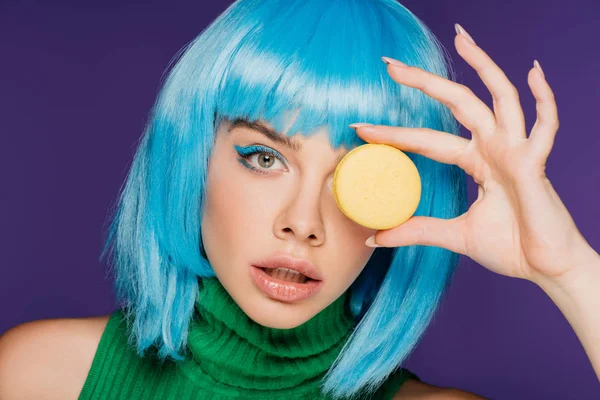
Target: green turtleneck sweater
229	356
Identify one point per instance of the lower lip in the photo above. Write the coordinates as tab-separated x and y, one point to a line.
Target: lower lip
283	290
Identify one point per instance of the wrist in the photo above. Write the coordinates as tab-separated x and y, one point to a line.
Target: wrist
585	272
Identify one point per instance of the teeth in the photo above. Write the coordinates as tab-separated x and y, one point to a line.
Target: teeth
286	274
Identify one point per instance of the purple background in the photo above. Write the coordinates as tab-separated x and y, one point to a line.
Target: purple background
77	80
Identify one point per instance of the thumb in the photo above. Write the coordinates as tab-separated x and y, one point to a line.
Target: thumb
428	231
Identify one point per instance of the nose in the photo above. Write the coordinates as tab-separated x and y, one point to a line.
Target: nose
301	219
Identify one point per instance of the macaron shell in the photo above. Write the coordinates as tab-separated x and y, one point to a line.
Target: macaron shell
377	186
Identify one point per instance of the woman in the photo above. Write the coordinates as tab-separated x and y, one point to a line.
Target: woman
232	180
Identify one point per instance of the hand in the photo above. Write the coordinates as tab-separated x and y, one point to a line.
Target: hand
518	226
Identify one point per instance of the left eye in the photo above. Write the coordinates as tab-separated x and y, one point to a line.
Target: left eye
266	157
265	160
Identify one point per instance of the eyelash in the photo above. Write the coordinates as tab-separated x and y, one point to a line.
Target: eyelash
247	152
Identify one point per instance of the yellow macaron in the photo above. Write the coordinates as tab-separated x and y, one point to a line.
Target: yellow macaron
377	186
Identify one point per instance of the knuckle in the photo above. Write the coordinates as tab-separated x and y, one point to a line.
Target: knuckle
509	94
423	85
454	101
454	104
464	93
422	232
465	90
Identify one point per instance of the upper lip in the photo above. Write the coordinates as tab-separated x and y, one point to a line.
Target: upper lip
287	261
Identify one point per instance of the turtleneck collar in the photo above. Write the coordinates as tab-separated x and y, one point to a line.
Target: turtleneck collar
229	348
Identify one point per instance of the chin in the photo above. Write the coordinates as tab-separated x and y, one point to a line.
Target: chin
277	314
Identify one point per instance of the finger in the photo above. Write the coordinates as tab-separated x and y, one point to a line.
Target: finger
546	125
507	107
428	231
436	145
468	109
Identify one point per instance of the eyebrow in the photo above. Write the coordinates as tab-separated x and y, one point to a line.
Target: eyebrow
271	134
268	132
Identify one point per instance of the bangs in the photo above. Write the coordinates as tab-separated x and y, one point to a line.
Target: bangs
322	62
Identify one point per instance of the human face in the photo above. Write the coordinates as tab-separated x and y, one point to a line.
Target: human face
289	208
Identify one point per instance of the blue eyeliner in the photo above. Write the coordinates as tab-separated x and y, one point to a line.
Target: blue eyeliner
248	151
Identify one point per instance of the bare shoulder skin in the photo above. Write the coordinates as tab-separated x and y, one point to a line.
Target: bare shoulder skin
413	389
48	359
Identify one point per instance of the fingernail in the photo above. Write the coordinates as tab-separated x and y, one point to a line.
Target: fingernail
371	242
461	31
359	124
538	66
392	61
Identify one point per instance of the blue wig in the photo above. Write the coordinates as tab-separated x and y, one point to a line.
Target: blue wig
258	60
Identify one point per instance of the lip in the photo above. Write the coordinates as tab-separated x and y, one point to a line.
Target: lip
281	290
286	261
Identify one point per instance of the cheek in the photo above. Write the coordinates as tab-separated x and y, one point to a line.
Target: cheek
348	231
349	238
224	207
235	207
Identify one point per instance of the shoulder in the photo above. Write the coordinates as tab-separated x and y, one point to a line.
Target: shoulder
414	389
52	353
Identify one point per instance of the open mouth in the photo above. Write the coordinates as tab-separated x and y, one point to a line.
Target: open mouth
287	275
283	284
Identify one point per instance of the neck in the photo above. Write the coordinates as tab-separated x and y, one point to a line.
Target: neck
233	349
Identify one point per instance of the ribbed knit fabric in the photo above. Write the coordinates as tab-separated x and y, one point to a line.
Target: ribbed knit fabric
230	356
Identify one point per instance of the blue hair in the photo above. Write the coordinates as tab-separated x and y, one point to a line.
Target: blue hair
258	60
